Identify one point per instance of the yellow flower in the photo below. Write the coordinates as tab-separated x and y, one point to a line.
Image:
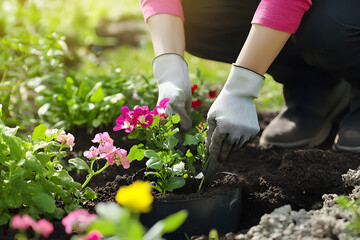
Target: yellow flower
137	197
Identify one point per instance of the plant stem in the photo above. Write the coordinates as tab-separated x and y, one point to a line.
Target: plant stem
92	173
201	183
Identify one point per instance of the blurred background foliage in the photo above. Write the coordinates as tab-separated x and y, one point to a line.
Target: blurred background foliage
48	49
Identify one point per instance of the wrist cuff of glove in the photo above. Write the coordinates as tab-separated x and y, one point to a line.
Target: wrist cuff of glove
244	82
167	56
248	70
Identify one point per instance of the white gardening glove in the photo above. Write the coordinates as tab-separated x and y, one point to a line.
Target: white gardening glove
232	118
171	74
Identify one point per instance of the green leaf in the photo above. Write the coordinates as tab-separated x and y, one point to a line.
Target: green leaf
97	96
11	132
175	182
4	219
154	161
14	200
79	164
43	158
137	152
44	109
167	225
175	119
174	221
90	194
39	132
191	140
83	89
14	143
105	226
44	201
170	142
33	163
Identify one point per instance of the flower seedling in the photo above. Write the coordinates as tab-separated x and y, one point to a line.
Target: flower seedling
32	174
166	165
107	151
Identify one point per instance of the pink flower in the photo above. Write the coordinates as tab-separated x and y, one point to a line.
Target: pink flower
161	108
92	153
68	139
93	235
212	94
77	220
201	126
120	158
22	222
44	227
196	103
51	131
193	88
102	138
105	148
142	115
124	121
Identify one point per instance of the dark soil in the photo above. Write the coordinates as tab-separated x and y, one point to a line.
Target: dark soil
269	178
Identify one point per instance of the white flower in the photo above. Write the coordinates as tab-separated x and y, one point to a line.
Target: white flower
179	168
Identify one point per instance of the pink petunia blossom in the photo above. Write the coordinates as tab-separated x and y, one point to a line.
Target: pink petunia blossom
78	221
125	121
196	103
93	235
22	222
161	108
193	88
44	227
142	115
92	153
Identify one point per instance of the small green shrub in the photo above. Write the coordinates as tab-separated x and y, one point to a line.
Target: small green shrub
32	175
91	101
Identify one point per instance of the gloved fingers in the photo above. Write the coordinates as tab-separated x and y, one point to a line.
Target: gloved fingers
185	120
209	132
215	146
227	147
211	167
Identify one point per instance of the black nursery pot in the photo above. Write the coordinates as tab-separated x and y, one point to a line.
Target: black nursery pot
220	212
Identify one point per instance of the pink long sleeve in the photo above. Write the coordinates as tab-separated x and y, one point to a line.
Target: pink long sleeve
152	7
283	15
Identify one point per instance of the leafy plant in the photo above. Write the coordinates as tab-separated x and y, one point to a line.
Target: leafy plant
27	57
32	176
353	206
91	101
166	165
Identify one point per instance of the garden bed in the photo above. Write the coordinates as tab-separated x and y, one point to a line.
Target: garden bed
270	178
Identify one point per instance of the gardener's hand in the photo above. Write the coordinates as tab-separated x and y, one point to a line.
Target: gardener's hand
171	74
232	117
